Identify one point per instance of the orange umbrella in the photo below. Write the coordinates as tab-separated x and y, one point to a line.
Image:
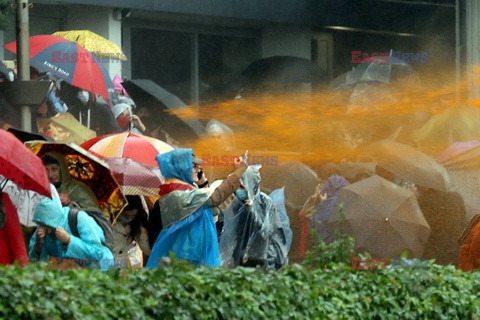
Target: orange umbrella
140	148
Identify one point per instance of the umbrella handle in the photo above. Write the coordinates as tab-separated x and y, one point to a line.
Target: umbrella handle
88	118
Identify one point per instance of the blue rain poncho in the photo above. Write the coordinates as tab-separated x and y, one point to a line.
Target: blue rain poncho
189	229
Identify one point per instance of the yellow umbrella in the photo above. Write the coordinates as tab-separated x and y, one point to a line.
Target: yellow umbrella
96	44
63	127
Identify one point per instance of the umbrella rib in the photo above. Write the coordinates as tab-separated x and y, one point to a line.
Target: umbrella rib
4	183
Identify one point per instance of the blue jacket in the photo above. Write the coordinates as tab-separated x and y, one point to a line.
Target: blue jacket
87	247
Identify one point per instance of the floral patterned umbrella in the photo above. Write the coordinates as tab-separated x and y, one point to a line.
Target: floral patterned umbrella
89	169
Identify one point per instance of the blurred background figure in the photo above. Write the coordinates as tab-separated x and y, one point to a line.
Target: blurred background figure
126	120
130	234
93	114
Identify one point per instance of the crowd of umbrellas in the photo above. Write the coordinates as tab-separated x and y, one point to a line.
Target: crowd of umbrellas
118	165
375	199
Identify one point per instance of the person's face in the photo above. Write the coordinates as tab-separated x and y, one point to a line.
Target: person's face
54	173
128	215
196	168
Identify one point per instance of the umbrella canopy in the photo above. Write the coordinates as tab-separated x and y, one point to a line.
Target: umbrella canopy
140	148
20	165
135	178
96	44
370	83
381	72
5	72
350	170
68	61
27	136
408	163
383	218
26	201
88	169
464	171
63	127
456	149
147	94
441	130
298	179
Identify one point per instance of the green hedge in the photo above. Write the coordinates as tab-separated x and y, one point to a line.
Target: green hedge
183	292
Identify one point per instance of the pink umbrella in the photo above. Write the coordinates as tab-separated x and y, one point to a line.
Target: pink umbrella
457	148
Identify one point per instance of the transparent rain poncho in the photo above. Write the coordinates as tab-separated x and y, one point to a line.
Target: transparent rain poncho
256	235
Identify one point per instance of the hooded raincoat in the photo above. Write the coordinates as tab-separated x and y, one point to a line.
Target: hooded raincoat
77	191
88	249
256	235
188	226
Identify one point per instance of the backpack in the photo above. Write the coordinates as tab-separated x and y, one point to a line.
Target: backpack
99	218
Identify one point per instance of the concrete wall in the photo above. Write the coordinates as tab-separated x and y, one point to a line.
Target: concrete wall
101	21
281	11
286	41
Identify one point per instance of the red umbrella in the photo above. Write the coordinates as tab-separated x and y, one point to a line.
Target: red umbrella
20	165
140	148
68	61
134	177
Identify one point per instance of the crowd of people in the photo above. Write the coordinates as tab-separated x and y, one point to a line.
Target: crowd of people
102	115
71	230
229	222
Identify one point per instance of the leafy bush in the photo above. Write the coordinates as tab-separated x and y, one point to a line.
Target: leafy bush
322	255
181	291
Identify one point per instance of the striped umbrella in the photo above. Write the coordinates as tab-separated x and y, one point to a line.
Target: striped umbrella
140	148
68	61
135	178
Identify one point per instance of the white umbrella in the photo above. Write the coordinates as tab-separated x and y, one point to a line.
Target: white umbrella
26	201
